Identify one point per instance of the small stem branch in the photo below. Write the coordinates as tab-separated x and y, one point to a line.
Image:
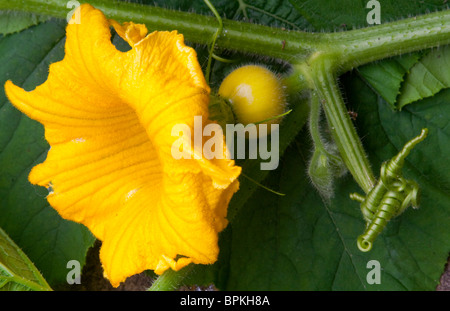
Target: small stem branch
216	35
341	126
170	280
314	120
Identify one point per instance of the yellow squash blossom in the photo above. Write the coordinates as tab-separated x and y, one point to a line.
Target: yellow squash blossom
108	117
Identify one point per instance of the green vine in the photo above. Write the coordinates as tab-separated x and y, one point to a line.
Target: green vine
213	41
171	280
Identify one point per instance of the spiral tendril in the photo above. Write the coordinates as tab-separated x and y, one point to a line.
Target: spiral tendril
216	35
394	166
391	195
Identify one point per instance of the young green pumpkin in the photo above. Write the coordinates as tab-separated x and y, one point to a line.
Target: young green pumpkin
255	93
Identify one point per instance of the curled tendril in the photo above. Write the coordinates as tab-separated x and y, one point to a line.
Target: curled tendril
214	39
216	35
394	166
389	197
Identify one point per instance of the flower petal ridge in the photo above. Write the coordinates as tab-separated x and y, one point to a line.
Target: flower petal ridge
108	117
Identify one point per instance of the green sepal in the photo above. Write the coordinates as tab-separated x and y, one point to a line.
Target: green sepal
321	174
220	111
323	169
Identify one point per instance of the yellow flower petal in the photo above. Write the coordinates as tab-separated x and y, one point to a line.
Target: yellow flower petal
108	117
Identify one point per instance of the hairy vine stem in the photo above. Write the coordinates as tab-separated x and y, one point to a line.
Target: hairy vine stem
341	127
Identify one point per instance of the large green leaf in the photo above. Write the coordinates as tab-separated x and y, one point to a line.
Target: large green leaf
406	79
17	272
277	13
48	240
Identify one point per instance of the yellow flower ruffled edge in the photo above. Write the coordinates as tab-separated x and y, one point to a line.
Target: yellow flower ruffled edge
108	117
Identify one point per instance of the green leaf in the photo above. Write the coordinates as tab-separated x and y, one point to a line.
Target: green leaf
427	77
17	272
12	21
277	13
48	240
406	79
386	77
